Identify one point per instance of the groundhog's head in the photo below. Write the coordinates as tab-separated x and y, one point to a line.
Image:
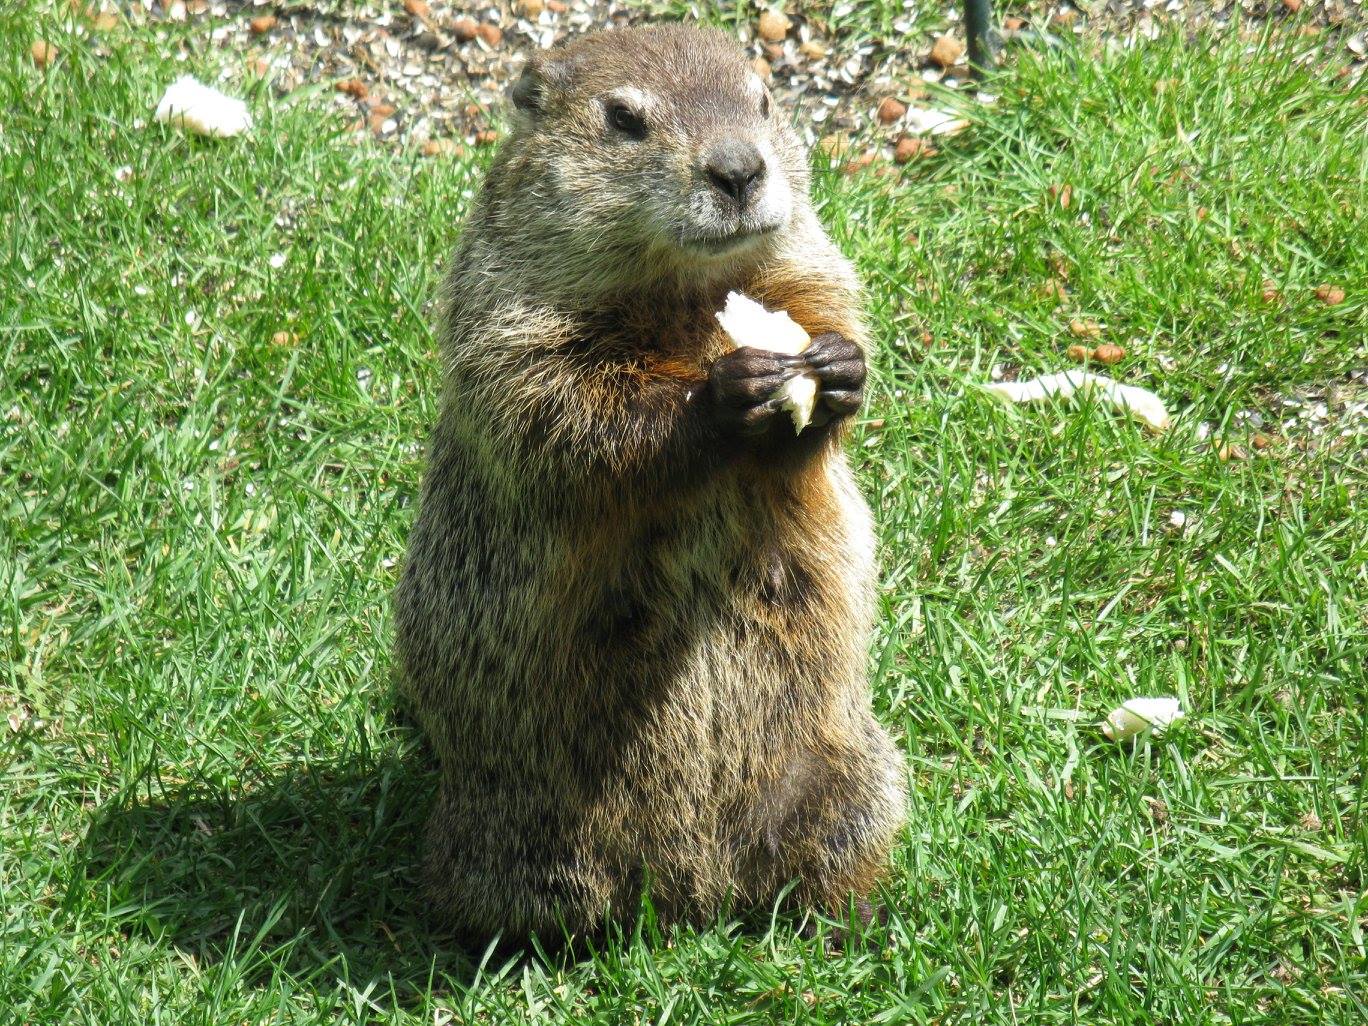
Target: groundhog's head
659	145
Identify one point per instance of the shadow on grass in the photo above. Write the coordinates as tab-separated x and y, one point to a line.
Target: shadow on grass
315	873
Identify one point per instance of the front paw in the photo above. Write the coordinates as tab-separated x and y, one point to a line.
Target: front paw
743	384
838	364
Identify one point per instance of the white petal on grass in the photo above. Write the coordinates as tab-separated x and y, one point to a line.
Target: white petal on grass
277	261
750	324
1141	715
1140	403
206	111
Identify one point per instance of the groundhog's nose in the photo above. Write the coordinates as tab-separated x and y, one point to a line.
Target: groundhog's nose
735	167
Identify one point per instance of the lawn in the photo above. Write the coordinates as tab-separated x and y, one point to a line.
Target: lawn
216	374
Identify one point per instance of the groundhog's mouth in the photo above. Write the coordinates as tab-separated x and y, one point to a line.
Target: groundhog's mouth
717	245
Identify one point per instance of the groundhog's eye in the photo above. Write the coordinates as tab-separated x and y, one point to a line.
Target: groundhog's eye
624	119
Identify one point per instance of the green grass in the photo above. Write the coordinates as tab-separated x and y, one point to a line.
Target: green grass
207	815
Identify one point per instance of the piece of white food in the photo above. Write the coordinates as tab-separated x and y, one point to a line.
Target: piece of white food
1139	715
202	109
1140	403
923	121
750	324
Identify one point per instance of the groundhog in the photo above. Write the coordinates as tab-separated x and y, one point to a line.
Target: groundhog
634	614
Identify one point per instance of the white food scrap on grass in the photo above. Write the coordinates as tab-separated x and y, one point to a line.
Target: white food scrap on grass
1141	715
201	109
750	324
1140	403
923	121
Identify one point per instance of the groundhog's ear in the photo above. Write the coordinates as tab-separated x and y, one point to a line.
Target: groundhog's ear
541	75
526	92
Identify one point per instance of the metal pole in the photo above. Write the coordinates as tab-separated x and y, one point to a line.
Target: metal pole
978	19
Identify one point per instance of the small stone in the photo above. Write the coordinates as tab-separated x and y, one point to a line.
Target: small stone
946	51
259	66
1108	355
1310	821
813	50
858	163
1202	213
282	338
834	145
1330	295
531	9
486	137
176	11
381	109
1085	329
1064	17
890	110
773	51
762	68
490	35
1062	194
1292	6
103	21
43	53
1054	289
909	147
774	26
1261	442
465	29
417	8
262	24
557	6
1269	291
1013	24
442	148
354	87
1078	354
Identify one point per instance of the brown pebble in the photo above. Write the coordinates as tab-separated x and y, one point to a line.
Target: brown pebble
379	118
1229	452
1292	6
774	26
1269	291
813	50
417	8
1079	354
442	148
909	147
762	68
465	29
773	52
381	109
1261	442
354	87
259	66
43	53
531	8
1054	289
834	145
1108	355
1085	329
1063	194
890	110
1013	24
557	6
282	338
1064	17
858	163
486	137
262	24
490	35
946	51
1330	295
102	21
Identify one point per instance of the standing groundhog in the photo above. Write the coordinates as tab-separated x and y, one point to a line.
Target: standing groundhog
634	615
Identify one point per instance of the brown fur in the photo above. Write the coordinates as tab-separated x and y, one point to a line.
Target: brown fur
637	646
